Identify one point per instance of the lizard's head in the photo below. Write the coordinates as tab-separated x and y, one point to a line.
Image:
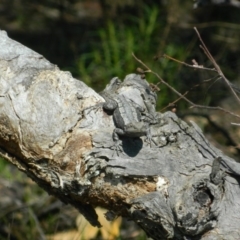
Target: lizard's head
113	84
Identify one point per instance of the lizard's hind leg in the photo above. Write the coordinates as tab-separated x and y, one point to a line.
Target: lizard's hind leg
149	138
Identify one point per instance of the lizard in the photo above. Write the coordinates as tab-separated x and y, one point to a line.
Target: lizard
148	96
126	115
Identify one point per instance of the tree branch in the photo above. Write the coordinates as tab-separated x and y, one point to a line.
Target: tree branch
53	128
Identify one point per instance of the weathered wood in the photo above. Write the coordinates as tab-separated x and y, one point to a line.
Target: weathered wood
53	128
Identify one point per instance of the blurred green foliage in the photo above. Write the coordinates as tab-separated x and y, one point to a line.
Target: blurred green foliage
112	55
7	171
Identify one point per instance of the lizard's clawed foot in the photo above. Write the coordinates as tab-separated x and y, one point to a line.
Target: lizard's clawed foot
149	138
117	147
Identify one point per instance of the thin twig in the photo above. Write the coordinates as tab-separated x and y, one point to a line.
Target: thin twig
195	86
189	65
38	226
210	57
193	105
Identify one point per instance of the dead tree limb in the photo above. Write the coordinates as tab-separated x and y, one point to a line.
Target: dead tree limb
53	128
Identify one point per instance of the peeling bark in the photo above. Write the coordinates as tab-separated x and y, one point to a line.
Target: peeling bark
53	128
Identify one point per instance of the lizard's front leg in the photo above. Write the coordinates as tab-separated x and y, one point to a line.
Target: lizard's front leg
117	142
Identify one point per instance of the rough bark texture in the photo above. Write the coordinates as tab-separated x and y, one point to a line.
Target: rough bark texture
53	128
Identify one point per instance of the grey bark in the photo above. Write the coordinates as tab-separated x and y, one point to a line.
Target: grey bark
53	128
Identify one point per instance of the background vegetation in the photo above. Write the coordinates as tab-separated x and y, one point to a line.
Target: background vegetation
94	40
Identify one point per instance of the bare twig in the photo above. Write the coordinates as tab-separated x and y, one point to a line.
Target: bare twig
193	105
189	65
210	57
38	226
195	86
216	68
